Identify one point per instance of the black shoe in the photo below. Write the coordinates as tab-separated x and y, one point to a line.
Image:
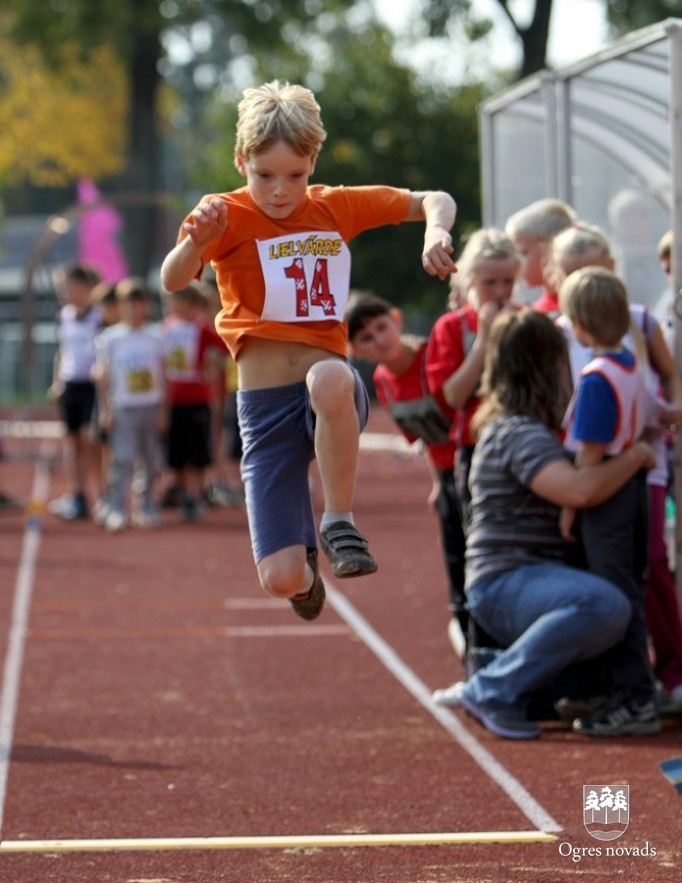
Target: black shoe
309	606
625	719
347	550
191	509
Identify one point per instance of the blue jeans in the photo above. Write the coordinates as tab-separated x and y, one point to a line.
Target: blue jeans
548	616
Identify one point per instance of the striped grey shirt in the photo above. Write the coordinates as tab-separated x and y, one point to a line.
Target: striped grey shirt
511	525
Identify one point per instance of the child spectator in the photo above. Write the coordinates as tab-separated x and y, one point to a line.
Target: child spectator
610	409
190	345
73	387
532	229
375	333
488	269
279	250
587	245
131	385
104	298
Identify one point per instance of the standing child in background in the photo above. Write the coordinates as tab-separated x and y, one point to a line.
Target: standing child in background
375	333
190	345
279	250
104	298
532	229
73	387
587	245
132	393
455	355
610	409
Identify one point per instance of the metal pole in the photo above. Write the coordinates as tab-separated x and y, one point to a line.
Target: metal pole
675	115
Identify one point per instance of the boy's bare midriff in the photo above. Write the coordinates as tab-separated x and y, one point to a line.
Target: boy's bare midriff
265	363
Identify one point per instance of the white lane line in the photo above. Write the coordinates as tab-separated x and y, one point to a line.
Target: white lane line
23	590
492	767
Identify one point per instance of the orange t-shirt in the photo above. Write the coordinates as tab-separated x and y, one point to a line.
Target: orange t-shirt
289	279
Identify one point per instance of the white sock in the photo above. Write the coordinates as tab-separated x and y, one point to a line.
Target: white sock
331	517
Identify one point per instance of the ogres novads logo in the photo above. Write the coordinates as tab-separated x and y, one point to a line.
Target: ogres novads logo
606	810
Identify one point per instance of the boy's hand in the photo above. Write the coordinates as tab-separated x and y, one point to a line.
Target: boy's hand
208	220
436	255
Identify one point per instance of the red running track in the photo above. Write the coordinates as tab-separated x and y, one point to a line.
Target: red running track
152	696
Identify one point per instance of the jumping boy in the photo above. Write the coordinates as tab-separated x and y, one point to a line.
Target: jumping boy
279	250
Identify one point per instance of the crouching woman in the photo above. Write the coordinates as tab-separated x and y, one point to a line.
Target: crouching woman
547	614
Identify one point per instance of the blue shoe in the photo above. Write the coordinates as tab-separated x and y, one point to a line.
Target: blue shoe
509	723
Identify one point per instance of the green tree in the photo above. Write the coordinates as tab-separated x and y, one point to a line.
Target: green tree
134	28
630	15
534	37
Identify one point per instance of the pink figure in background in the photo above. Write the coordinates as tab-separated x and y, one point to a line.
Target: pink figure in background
97	231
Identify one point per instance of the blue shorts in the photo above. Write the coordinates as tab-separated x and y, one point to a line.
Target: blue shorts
277	427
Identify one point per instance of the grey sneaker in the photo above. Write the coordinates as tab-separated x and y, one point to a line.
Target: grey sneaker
625	719
70	507
309	606
507	723
347	550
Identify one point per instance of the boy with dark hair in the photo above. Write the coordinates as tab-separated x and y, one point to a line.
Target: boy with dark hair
375	333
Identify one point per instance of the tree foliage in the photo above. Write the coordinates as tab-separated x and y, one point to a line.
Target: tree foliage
384	125
630	15
534	37
61	125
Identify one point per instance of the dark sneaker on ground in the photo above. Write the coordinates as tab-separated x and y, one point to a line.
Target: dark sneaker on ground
191	509
625	719
347	550
309	606
508	723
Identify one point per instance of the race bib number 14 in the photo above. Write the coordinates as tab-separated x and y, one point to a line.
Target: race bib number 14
306	275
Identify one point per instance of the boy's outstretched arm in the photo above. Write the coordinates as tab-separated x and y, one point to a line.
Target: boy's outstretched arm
181	265
438	209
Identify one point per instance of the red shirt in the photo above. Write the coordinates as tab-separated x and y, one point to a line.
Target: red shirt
187	347
548	302
449	343
410	385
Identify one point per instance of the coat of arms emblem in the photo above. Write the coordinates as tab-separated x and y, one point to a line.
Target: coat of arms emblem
606	810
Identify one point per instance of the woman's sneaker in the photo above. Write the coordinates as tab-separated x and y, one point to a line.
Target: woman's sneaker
507	723
624	719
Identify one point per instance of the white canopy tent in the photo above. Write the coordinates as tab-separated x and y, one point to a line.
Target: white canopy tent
604	135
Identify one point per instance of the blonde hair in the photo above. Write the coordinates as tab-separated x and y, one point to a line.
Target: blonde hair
486	244
542	219
597	299
665	245
581	245
278	112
